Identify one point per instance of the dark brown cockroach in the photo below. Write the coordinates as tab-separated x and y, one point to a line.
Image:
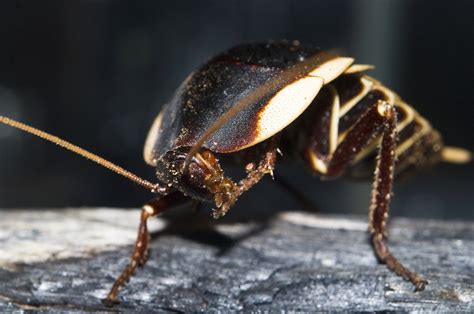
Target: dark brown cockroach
258	98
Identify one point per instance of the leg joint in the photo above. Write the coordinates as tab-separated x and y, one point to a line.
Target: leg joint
385	109
150	210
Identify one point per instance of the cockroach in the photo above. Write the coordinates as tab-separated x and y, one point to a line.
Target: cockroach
255	99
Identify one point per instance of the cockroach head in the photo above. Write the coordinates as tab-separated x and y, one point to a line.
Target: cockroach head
190	180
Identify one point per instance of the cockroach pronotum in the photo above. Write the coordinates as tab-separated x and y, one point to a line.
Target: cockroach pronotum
257	99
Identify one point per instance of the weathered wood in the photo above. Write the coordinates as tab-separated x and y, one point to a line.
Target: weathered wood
67	260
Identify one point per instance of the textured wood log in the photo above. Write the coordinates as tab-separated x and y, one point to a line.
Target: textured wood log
68	259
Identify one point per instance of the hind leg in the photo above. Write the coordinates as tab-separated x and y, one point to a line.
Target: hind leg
381	195
378	120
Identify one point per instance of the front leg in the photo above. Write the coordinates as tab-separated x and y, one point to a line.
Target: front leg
379	119
140	251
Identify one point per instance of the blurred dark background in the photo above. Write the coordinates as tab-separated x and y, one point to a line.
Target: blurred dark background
96	72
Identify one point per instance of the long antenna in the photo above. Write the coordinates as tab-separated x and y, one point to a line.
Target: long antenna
84	153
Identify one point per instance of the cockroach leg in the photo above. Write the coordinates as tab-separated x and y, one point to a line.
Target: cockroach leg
385	256
140	251
381	195
224	190
379	119
265	166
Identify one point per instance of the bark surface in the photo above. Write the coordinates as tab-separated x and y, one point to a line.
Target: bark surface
60	260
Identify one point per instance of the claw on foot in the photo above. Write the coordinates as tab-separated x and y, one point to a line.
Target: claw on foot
420	286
